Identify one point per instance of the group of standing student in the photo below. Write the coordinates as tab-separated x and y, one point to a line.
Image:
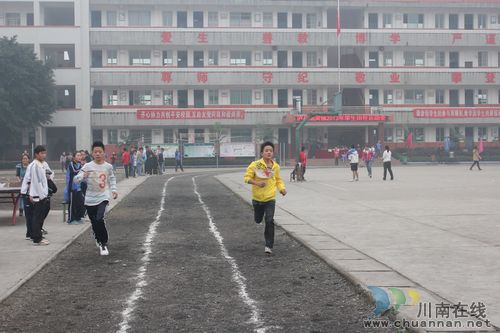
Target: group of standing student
368	155
145	160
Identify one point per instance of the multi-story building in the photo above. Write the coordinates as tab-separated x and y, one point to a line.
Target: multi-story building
178	71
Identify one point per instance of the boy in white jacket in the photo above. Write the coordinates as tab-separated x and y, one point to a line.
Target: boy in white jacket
101	186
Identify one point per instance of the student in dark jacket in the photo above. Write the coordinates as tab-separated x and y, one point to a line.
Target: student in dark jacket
73	192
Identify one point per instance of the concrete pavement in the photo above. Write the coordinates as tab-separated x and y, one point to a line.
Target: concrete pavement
433	232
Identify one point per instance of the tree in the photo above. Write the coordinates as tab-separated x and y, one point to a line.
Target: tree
27	90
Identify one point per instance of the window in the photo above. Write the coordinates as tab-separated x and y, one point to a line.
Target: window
167	19
199	135
143	136
241	135
59	56
111	18
414	96
168	97
213	97
113	97
312	97
268	96
439	21
439	96
482	133
168	135
112	57
388	62
388	97
213	19
139	18
439	134
241	97
112	136
297	21
440	59
142	97
482	21
213	58
139	57
168	59
267	58
482	59
267	20
414	58
243	58
413	20
311	21
482	96
198	19
418	134
282	20
387	20
388	134
372	21
237	19
312	59
453	21
65	97
498	59
13	19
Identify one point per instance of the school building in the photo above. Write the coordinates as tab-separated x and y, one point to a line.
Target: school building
204	72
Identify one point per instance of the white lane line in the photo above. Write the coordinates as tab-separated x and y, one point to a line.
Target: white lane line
238	278
141	273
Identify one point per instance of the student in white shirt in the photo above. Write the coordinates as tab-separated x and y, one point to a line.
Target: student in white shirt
354	161
35	187
101	186
387	157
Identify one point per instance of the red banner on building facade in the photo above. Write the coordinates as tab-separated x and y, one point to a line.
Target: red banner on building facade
457	113
344	117
190	114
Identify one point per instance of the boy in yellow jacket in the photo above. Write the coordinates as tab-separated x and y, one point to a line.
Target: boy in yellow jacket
264	176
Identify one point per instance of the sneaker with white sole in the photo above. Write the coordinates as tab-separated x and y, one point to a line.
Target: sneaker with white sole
42	242
268	250
104	250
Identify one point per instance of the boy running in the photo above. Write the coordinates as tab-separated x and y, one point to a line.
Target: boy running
264	176
101	185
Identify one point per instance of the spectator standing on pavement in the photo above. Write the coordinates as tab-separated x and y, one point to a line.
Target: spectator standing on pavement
178	160
113	161
101	186
336	155
35	188
62	161
126	161
368	159
476	157
378	148
264	176
73	195
387	158
20	172
303	160
353	157
88	157
139	159
161	160
132	163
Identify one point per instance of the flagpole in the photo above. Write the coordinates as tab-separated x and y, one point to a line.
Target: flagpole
338	44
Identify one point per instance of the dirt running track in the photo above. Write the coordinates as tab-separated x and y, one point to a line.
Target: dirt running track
187	283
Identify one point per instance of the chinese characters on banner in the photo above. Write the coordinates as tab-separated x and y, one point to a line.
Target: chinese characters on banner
303	37
456	36
267	38
490	77
360	77
344	117
395	78
267	77
491	39
360	37
190	114
456	77
395	37
303	77
166	77
457	113
202	77
166	37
